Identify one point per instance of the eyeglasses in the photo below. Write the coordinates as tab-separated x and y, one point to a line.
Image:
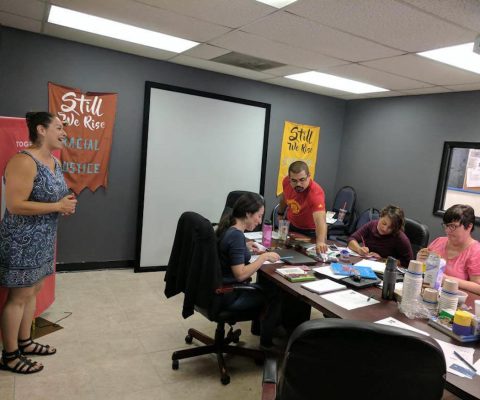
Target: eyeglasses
301	180
450	227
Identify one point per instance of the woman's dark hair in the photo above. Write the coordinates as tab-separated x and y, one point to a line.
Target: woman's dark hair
396	216
246	203
462	213
37	118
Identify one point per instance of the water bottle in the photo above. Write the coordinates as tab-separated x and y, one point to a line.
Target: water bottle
432	265
389	279
412	288
267	233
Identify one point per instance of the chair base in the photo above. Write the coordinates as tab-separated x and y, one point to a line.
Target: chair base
220	345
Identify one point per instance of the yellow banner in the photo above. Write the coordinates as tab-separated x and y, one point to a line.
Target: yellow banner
300	142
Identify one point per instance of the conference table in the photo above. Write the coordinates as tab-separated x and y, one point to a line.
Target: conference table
301	300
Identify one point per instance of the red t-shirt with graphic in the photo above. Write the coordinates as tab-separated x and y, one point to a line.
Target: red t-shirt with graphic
301	206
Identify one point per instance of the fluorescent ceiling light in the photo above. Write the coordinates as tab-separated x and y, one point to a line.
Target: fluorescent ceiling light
117	30
277	3
461	56
335	82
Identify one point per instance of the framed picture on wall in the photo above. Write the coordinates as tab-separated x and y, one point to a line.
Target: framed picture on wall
459	178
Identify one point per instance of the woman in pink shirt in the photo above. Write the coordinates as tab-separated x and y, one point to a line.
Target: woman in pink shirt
459	248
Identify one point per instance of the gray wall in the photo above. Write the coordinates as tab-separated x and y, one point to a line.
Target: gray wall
392	149
104	227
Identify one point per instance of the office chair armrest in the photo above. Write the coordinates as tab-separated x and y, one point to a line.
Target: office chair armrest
269	382
237	287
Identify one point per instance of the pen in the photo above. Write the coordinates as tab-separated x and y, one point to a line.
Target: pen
371	297
465	361
286	258
363	241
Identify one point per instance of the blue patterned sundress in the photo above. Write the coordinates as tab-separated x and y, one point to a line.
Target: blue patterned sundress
27	242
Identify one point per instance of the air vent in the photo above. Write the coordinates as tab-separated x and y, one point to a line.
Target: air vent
245	61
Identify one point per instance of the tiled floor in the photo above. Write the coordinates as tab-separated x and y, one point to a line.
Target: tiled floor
117	344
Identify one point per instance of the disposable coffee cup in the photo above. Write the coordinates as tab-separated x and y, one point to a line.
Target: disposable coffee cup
450	286
415	267
283	226
341	214
430	295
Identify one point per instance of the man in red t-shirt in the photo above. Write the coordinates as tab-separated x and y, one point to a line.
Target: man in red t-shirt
306	204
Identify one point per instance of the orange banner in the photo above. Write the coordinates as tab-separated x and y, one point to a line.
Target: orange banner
89	119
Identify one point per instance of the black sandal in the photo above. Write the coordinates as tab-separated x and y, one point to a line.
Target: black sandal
38	350
19	367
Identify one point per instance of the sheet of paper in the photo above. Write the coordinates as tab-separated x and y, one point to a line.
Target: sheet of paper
390	321
477	366
451	358
349	299
331	220
375	265
255	257
328	272
253	235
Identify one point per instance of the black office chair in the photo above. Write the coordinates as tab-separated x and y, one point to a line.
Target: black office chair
194	269
365	217
346	359
232	197
345	198
417	233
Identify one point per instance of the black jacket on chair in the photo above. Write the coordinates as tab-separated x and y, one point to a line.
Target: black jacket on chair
191	271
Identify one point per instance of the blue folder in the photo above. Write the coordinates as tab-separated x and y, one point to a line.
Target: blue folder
347	270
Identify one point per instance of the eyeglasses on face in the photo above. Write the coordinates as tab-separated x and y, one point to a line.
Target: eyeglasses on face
450	227
301	180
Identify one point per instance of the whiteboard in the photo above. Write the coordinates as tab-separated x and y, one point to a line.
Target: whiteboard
197	148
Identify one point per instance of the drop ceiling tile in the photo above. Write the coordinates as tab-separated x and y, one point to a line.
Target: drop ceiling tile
391	93
15	21
106	42
219	67
388	22
461	88
148	17
424	69
375	77
465	13
431	90
309	35
222	12
258	46
205	51
24	8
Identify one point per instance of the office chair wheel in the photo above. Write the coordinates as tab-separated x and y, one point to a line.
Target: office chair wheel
225	379
175	364
188	339
236	335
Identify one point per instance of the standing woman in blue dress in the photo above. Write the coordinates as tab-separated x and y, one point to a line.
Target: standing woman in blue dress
36	194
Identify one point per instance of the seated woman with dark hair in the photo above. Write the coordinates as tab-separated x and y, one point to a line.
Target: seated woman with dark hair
384	237
235	255
458	248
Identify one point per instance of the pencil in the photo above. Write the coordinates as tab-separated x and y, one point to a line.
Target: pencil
465	361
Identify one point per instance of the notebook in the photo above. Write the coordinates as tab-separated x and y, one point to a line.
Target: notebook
291	256
295	274
323	286
347	270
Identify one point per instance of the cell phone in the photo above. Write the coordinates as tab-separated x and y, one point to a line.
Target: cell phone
332	247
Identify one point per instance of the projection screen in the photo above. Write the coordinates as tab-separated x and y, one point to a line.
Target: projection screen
197	147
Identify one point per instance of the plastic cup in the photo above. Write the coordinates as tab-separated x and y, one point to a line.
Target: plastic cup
477	308
283	226
341	214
